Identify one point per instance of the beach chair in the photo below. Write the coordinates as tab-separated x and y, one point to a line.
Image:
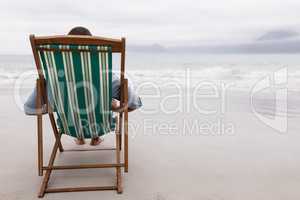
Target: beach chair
75	81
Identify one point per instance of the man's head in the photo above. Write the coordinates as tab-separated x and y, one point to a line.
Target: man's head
79	30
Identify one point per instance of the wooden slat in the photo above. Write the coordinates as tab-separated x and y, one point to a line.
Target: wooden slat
99	149
79	189
116	44
83	166
69	50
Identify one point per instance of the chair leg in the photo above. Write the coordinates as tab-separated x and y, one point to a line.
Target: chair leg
43	95
118	160
120	129
55	131
39	126
57	146
49	170
126	126
40	144
126	140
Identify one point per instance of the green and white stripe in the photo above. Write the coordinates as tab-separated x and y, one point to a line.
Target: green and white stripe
80	84
68	67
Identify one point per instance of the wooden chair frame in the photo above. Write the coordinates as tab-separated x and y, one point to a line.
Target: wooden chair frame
118	46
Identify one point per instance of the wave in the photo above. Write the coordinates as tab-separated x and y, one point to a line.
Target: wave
243	76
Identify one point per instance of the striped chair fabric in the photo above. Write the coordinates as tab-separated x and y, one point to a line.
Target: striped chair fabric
79	84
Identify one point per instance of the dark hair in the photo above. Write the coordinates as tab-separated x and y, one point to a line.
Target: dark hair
79	30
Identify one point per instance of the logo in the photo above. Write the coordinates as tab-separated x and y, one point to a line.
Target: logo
277	84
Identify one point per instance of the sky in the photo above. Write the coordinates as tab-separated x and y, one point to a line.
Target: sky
169	23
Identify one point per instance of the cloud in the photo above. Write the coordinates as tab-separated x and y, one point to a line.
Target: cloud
168	22
278	35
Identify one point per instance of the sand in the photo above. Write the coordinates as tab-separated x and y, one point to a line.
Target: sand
252	162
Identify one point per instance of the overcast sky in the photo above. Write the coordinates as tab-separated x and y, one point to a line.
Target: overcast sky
166	22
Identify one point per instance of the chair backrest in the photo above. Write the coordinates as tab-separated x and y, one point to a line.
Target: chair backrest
78	74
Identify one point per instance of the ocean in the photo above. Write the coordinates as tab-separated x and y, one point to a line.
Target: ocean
153	73
238	68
